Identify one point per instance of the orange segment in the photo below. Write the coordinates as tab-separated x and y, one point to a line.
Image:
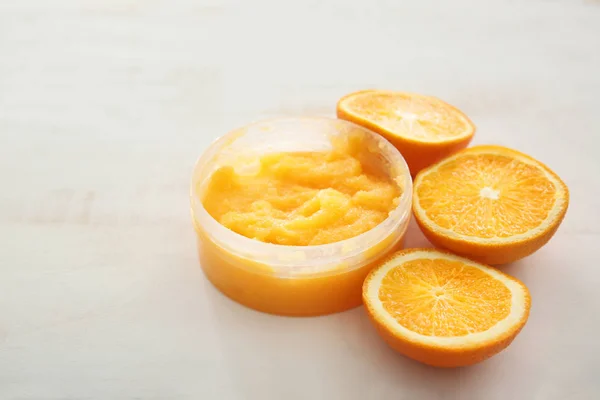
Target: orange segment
489	202
444	310
425	129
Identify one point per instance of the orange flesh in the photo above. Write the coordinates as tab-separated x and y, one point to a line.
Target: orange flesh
301	199
408	115
487	196
444	298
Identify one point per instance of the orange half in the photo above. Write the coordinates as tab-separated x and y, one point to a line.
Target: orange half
424	129
489	203
444	310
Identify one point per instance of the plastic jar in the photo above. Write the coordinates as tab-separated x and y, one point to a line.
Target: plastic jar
294	280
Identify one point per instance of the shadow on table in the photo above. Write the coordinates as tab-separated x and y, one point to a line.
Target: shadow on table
414	237
328	356
332	356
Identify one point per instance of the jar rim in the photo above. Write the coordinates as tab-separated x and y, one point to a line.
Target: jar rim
286	259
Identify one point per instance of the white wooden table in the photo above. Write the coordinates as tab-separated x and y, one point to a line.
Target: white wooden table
104	107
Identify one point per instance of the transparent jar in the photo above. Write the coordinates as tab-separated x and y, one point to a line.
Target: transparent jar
294	280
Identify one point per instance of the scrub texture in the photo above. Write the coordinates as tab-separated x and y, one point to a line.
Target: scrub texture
304	198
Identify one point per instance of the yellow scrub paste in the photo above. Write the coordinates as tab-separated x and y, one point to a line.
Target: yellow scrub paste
303	199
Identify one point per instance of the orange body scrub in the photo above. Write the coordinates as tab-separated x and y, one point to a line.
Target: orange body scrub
292	214
302	199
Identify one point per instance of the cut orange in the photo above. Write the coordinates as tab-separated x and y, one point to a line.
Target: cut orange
489	203
423	128
444	310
